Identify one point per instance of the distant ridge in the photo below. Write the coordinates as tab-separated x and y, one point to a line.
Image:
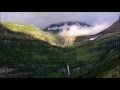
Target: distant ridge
55	28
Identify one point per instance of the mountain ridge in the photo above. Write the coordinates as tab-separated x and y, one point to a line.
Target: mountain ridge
57	27
36	58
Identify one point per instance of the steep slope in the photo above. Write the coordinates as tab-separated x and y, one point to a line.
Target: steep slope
111	31
23	54
102	55
29	30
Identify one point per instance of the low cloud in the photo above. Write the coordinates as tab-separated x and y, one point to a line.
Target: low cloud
75	30
44	19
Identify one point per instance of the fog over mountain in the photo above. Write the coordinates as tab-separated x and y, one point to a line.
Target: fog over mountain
44	19
66	45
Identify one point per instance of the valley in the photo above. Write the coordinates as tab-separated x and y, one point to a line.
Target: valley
26	51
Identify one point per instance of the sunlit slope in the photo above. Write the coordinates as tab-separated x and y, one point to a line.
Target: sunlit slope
24	55
29	30
30	56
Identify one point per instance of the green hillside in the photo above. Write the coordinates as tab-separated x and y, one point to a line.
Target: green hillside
26	51
24	54
101	55
32	31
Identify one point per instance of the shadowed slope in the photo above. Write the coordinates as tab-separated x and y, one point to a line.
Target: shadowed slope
23	55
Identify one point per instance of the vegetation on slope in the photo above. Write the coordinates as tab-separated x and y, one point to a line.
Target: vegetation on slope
21	56
102	55
31	31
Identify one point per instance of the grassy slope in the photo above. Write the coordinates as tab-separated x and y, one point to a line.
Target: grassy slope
98	58
28	54
30	30
101	55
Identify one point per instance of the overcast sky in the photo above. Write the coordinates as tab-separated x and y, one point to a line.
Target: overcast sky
43	19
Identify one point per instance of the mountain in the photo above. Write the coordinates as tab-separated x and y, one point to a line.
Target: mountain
25	53
56	28
103	53
64	41
112	30
29	30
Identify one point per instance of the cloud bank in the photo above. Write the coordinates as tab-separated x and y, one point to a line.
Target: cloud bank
98	20
44	19
75	30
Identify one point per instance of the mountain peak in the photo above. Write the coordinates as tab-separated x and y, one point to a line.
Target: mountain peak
57	27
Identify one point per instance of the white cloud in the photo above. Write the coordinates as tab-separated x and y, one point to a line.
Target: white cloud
99	20
44	19
75	30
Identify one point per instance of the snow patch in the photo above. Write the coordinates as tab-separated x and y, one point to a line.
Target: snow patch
91	39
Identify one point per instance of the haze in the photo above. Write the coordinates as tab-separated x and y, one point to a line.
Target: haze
43	19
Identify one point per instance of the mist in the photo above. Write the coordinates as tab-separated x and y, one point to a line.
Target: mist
75	30
98	20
